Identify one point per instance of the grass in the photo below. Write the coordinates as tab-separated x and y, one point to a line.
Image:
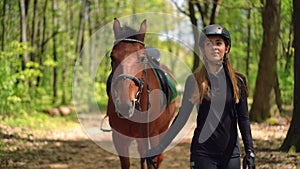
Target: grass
38	121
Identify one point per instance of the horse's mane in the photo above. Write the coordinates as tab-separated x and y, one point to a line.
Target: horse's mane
127	32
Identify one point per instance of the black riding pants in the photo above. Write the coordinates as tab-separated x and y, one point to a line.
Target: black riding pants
202	162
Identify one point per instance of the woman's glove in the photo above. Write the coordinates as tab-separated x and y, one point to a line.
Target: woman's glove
152	153
249	160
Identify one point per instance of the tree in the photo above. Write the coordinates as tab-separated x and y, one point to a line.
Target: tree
292	139
266	76
34	30
3	25
24	4
81	27
54	6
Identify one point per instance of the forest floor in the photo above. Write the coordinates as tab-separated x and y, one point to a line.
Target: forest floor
71	148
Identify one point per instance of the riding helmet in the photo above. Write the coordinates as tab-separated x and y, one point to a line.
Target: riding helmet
215	29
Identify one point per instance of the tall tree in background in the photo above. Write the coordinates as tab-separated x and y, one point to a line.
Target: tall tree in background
24	4
292	139
266	76
34	29
81	27
42	36
54	7
3	24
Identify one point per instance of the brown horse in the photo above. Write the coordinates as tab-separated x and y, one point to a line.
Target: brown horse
137	109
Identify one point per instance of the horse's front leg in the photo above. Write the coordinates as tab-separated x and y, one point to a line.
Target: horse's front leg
125	162
142	148
122	144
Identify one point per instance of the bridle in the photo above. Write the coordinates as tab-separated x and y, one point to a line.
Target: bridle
138	82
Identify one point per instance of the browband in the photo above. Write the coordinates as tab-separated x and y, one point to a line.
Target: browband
129	40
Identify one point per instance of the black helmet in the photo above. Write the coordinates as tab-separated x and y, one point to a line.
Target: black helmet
215	29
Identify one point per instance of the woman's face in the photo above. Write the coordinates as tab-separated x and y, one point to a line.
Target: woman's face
215	49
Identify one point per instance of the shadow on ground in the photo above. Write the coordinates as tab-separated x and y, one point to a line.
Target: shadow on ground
24	150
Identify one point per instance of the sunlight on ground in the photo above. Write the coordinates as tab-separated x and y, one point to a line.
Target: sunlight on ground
269	132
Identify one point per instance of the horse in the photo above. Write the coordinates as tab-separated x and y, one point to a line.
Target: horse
137	109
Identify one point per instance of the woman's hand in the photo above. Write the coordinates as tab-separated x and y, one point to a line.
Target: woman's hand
249	160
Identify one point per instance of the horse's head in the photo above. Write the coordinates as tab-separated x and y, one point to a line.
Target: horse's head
127	58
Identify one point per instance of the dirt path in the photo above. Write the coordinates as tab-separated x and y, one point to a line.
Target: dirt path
71	148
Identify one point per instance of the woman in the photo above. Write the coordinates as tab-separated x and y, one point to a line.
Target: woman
220	95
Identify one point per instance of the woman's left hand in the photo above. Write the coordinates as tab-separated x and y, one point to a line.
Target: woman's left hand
249	160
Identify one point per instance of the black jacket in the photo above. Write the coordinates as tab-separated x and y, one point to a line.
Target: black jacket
216	132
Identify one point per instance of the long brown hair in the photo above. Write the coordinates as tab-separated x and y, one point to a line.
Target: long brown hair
202	79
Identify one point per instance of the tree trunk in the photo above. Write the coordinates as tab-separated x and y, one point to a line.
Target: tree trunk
66	57
97	13
90	28
196	35
292	139
278	93
261	106
54	6
42	42
3	25
23	4
34	30
81	28
248	42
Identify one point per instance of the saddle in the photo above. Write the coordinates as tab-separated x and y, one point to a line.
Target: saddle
166	83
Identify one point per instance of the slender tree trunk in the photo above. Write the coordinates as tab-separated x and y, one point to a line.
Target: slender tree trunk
66	57
261	106
34	30
278	98
34	26
23	4
292	139
289	51
81	28
248	42
92	49
214	11
54	6
196	35
97	13
3	24
42	42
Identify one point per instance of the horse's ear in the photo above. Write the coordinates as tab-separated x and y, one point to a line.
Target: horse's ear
116	27
143	30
